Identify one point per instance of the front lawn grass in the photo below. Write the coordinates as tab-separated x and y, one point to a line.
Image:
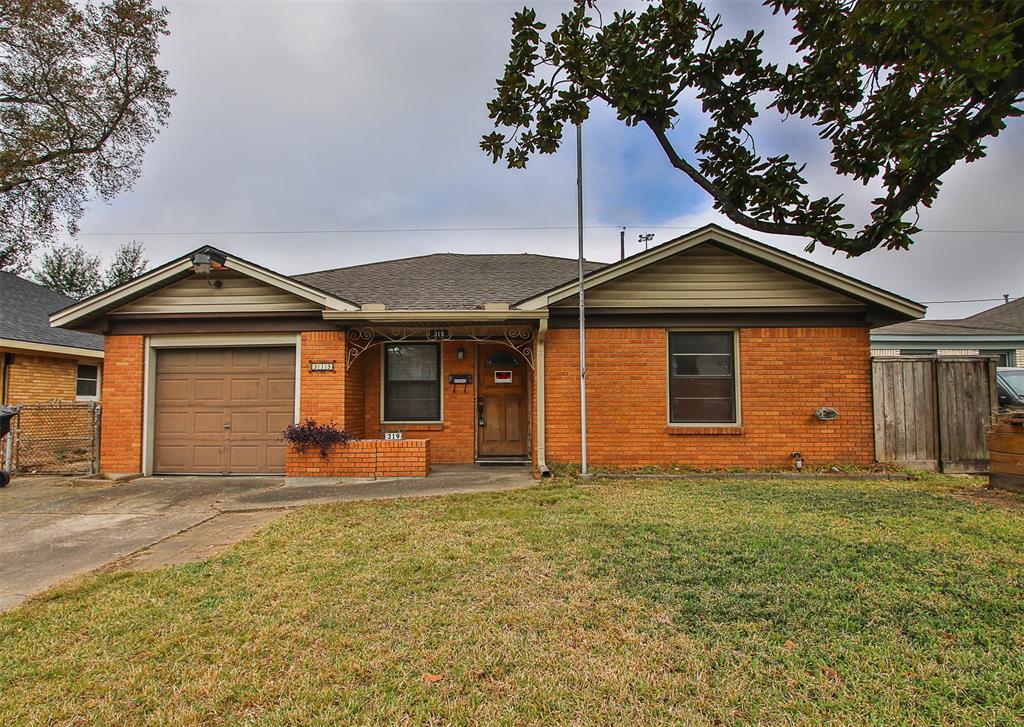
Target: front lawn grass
606	602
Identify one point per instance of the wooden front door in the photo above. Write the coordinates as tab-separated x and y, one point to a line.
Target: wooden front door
503	391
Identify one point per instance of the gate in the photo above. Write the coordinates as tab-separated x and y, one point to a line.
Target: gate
60	437
933	412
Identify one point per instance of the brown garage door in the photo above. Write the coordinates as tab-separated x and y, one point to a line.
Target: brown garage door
222	409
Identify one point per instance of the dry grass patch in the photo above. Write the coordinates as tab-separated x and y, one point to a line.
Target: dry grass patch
605	603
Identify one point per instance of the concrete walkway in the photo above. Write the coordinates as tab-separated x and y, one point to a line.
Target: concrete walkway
50	531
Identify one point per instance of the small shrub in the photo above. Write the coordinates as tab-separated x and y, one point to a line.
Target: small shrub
309	434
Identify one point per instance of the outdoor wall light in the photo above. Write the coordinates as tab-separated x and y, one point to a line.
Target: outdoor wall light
202	263
461	354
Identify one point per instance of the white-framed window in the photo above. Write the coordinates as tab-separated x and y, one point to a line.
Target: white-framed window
702	381
1003	358
412	382
87	381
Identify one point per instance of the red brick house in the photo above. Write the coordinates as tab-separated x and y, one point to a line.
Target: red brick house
711	350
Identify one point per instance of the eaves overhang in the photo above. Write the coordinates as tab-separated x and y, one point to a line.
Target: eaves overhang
53	348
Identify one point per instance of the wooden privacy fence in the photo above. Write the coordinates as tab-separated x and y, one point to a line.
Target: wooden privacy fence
934	412
1006	450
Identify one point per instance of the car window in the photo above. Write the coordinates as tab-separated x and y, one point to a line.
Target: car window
1015	380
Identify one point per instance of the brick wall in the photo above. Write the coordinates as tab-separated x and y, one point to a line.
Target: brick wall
121	438
363	458
322	393
785	374
33	378
355	396
454	440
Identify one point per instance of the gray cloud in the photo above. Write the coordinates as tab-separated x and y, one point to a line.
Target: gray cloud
299	116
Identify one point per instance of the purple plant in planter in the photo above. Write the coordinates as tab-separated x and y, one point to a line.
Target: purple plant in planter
309	434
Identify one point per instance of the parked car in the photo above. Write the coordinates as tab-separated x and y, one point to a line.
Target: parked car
1010	385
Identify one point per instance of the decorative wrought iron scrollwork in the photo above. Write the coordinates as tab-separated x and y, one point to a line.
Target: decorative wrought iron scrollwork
518	338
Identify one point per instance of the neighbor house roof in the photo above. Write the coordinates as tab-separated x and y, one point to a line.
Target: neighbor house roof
24	317
448	281
1003	320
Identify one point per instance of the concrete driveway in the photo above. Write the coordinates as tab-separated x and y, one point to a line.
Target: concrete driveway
50	531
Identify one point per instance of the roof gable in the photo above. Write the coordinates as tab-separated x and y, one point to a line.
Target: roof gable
758	252
182	268
222	291
710	276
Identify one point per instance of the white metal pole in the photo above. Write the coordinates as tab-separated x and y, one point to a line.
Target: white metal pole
583	334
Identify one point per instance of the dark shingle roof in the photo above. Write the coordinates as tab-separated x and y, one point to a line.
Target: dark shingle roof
24	315
1003	320
447	281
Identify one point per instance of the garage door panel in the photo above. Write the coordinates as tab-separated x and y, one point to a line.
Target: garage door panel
248	358
246	422
173	423
275	457
208	422
278	420
199	390
281	359
208	391
173	390
174	360
208	456
208	357
171	456
246	390
246	458
281	389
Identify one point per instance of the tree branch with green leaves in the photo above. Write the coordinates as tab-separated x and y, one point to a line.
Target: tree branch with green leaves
901	91
81	96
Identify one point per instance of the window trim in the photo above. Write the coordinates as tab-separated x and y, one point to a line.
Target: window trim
440	384
1009	354
736	389
99	381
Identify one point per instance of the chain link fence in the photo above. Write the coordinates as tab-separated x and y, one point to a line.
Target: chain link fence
60	437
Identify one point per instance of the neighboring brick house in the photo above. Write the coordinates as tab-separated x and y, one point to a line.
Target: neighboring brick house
39	363
710	350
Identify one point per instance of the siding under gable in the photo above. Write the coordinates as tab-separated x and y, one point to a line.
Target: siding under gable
198	294
708	276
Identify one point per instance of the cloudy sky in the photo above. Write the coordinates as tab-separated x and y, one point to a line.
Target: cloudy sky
314	135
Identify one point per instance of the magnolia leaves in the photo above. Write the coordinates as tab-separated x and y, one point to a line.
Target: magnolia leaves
901	91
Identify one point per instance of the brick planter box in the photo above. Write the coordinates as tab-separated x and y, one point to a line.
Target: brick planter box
363	458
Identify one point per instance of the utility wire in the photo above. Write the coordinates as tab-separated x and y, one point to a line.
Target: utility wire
368	230
971	300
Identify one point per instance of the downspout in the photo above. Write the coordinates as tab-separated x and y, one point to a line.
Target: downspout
542	465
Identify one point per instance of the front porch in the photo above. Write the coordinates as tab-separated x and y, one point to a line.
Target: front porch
416	396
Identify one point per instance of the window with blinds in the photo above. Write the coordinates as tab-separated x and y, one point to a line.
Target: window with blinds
412	382
702	377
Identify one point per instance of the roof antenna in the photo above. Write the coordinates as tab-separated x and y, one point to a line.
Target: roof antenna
622	244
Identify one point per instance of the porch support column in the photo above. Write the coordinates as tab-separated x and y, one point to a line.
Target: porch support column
542	464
